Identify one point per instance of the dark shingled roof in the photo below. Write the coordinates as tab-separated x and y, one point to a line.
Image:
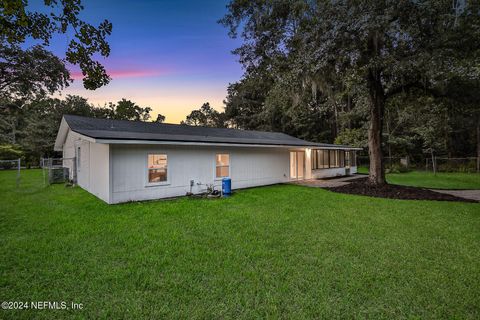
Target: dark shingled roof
137	130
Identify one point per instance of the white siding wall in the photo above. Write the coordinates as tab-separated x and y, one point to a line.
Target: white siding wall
327	173
333	172
93	169
99	174
248	167
308	163
69	152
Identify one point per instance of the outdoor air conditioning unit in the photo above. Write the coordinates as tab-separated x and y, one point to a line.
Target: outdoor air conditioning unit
58	175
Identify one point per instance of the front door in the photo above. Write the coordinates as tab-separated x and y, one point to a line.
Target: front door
297	165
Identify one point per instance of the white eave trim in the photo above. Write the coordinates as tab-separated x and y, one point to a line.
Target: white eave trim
62	136
186	143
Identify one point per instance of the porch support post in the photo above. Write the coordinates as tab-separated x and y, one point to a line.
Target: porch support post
308	163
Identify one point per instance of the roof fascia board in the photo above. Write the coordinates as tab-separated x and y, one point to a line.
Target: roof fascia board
114	141
61	135
84	137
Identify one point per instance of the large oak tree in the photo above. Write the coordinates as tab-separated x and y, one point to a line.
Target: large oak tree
384	48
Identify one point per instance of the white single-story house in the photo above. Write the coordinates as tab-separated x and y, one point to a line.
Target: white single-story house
121	161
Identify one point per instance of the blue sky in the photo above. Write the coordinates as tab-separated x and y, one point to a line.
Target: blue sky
169	55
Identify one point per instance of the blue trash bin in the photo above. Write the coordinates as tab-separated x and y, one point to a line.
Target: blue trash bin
227	186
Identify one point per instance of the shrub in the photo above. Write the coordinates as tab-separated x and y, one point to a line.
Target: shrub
469	167
396	168
10	152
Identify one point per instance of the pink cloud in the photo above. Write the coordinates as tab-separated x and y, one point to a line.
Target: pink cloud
118	74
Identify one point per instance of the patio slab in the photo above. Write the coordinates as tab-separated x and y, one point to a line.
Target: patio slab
328	183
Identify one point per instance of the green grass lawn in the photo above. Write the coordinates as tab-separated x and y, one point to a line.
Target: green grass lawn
274	252
441	180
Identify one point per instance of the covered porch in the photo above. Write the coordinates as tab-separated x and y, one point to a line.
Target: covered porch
322	162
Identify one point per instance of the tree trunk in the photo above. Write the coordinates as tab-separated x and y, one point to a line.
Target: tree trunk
434	162
389	136
377	107
478	145
14	131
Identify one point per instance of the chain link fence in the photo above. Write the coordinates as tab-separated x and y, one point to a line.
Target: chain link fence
13	164
444	164
58	170
441	164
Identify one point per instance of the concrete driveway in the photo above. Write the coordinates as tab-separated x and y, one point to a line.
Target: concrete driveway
466	194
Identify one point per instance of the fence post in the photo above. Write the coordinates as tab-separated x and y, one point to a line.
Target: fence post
43	174
18	172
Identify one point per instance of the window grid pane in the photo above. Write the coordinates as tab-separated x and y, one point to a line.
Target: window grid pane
157	161
222	165
327	158
222	171
223	159
157	168
157	175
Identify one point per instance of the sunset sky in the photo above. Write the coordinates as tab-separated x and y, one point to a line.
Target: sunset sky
170	55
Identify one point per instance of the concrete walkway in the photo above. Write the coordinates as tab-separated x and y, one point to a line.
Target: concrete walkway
466	194
328	183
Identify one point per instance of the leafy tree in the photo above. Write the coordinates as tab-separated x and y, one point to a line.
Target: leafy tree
10	114
17	23
245	102
34	127
383	48
29	73
356	137
432	127
10	152
206	116
160	118
26	75
195	118
128	110
41	119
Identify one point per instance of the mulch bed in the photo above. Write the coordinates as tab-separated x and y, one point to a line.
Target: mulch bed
392	191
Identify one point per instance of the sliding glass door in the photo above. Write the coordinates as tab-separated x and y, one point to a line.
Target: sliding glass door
297	165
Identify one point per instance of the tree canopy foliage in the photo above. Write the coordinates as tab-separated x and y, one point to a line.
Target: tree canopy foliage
33	127
128	110
25	74
205	116
345	62
18	23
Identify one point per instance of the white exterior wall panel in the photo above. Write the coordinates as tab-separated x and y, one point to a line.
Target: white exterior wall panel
117	173
332	172
249	166
99	174
93	169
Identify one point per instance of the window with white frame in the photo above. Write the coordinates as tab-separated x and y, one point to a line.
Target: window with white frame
222	165
157	168
325	159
